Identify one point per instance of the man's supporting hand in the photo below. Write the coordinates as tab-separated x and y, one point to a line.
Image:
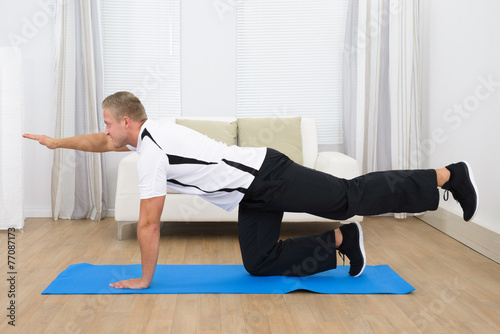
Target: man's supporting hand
148	234
135	283
47	141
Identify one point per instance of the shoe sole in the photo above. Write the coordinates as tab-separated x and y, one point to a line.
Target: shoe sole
471	177
362	247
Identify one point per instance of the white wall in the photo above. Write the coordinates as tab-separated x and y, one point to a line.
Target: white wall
462	95
208	58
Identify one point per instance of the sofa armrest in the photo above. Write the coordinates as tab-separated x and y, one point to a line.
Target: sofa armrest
127	200
337	164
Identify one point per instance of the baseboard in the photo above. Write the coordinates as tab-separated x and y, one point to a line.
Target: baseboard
37	213
48	213
482	240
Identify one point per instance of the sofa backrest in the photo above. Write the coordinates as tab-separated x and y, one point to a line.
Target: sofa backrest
308	129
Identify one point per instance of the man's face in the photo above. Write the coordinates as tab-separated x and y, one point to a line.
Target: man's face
115	129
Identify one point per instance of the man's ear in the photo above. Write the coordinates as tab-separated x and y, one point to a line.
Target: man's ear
126	121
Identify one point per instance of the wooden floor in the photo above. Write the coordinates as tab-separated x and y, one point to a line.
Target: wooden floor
457	289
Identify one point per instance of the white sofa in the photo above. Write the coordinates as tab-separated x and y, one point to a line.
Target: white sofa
181	207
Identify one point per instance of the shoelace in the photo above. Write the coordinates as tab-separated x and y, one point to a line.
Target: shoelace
342	255
446	196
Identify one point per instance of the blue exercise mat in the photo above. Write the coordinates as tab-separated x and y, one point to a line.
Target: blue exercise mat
84	278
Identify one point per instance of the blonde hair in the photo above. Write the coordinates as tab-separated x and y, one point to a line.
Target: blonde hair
125	104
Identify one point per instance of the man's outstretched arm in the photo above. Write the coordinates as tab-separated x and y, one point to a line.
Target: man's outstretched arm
94	142
148	233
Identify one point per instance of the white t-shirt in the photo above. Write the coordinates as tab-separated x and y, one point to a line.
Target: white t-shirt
191	163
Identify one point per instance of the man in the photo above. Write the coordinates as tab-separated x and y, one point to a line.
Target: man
265	184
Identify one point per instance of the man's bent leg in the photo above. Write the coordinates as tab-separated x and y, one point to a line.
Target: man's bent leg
264	254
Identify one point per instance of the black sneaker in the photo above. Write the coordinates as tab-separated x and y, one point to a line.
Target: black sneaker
352	246
463	188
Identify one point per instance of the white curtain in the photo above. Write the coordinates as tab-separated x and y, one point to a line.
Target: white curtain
382	79
406	84
11	143
382	84
78	178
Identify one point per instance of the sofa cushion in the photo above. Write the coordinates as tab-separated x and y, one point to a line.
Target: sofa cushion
281	133
225	132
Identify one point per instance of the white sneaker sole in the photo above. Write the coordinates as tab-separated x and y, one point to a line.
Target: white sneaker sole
471	176
362	247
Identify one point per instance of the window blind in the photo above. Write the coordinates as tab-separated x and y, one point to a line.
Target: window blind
289	61
141	50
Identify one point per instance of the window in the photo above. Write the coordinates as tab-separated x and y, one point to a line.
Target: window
289	58
141	48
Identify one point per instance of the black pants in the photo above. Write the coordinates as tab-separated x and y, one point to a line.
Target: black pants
282	185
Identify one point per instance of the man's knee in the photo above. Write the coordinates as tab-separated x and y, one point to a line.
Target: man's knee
252	267
255	262
253	271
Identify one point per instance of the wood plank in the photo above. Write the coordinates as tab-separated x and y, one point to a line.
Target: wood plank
209	314
256	319
186	314
232	317
279	316
137	320
303	319
162	315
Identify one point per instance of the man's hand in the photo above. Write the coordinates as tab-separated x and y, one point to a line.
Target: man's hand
47	141
135	283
